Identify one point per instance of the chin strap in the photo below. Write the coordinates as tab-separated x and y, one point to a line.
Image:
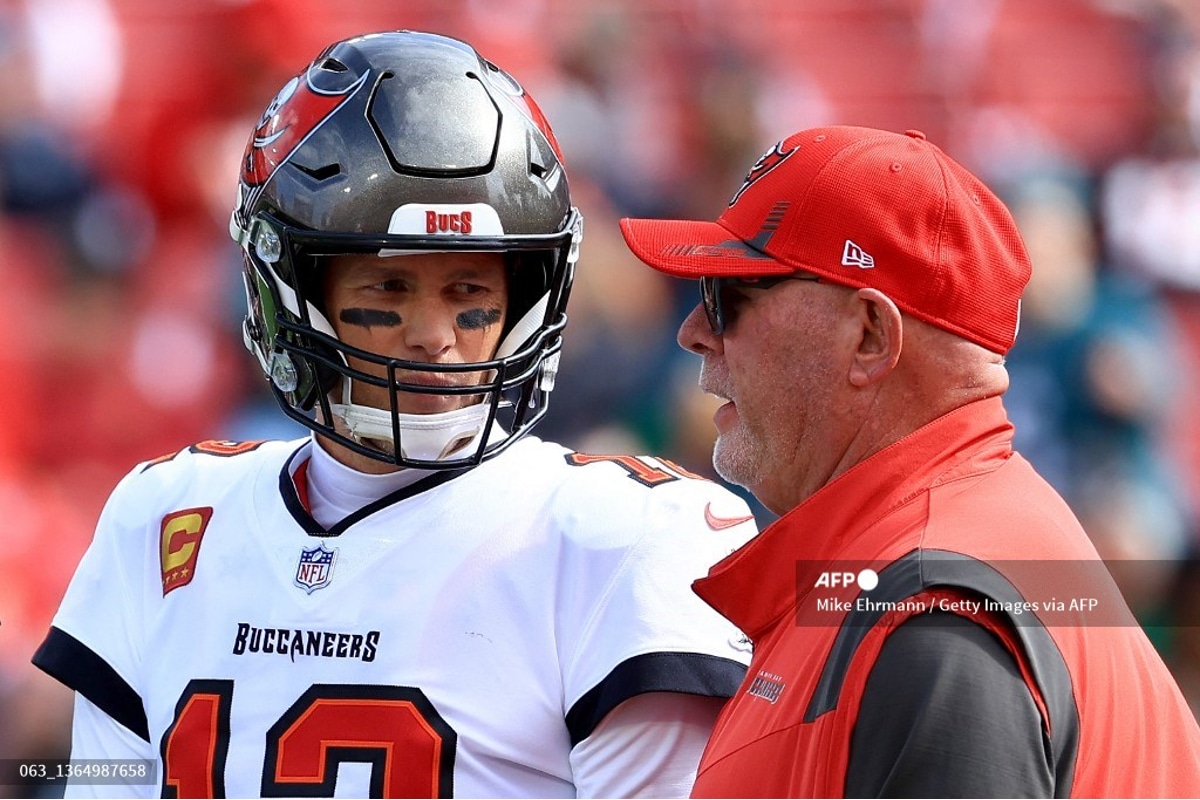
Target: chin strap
433	437
427	437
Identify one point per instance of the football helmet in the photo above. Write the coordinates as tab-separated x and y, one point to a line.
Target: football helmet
397	143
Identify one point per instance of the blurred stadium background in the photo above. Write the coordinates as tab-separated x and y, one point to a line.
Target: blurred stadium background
122	123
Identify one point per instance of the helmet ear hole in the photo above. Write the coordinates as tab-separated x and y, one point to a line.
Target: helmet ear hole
310	276
333	65
528	280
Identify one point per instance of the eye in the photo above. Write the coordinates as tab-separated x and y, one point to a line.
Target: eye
389	285
733	296
465	288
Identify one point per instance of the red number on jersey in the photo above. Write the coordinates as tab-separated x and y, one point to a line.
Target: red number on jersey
640	469
211	447
194	747
395	729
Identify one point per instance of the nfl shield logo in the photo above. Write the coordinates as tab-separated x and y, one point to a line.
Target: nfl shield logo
315	569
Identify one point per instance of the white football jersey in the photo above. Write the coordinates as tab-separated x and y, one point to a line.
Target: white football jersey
457	637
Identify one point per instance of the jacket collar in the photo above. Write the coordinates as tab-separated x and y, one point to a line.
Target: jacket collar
756	585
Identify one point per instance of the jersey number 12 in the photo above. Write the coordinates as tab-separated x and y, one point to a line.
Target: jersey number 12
395	729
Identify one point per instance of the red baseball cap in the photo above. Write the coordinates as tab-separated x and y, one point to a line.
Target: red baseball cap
862	208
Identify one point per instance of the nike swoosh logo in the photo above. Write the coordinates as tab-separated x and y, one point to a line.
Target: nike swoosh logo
721	523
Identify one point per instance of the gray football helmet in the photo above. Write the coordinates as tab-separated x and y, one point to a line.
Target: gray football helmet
391	143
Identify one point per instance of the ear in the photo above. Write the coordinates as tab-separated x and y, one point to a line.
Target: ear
880	337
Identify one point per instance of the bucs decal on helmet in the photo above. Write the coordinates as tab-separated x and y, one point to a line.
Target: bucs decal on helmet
298	110
767	162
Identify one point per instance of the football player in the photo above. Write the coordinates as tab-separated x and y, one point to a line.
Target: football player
420	599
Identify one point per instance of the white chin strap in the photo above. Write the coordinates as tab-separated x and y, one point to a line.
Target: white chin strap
433	437
427	437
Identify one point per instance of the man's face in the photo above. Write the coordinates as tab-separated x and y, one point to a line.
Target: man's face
436	308
775	365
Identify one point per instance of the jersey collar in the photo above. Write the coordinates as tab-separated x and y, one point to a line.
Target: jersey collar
294	489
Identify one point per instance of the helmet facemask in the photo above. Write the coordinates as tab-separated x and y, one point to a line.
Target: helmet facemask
313	379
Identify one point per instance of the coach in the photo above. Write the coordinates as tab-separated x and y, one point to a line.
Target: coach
858	296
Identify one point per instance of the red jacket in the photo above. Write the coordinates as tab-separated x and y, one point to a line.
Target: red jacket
949	518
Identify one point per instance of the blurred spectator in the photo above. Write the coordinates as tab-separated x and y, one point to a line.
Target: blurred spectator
1150	199
1149	203
1093	363
1091	386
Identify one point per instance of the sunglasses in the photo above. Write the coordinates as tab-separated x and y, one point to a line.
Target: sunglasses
712	288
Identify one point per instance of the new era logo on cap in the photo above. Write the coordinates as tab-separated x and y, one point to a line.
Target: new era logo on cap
855	256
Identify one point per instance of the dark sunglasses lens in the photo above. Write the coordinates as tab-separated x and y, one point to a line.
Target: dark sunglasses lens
710	295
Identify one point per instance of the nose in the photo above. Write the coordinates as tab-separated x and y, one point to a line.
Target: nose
429	327
695	334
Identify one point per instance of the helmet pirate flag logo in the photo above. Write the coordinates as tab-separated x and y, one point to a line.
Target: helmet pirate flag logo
301	106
